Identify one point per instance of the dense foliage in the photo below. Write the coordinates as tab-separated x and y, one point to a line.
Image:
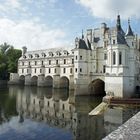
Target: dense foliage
8	60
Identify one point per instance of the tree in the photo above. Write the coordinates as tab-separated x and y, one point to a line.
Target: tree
8	60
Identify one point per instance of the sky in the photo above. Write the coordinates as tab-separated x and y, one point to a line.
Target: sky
42	24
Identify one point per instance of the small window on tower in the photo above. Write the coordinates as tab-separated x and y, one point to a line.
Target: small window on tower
113	41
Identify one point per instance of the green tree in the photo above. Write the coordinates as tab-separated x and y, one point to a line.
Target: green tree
8	60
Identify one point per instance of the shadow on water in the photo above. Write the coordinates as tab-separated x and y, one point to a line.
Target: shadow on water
55	114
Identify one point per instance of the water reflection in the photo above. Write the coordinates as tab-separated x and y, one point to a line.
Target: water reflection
57	114
61	109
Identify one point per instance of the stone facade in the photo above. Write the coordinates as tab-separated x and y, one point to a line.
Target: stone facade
106	54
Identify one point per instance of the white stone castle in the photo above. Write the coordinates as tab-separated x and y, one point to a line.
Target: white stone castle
105	59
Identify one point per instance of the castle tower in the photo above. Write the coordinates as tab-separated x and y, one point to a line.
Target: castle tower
81	65
117	70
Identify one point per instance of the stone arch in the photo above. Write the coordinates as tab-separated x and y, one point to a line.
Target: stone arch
22	79
34	80
64	82
49	81
97	87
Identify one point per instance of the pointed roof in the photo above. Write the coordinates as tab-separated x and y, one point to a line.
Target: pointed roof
120	32
129	30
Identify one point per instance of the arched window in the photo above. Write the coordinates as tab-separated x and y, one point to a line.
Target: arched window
120	58
114	58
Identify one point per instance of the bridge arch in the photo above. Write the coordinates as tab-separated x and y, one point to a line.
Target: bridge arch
97	87
34	80
49	81
22	79
64	82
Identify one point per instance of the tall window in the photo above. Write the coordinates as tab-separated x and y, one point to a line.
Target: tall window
49	70
64	70
56	61
42	62
105	56
49	62
120	58
103	68
75	69
35	62
70	70
35	70
80	57
40	70
114	58
72	61
22	70
76	57
29	63
80	69
64	61
114	42
22	63
54	70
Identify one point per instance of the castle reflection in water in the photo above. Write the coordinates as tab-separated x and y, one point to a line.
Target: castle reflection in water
59	108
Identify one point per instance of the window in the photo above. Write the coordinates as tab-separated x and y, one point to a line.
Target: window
64	61
80	69
75	69
105	56
72	61
49	62
80	57
22	70
63	107
54	70
103	68
76	57
27	70
49	70
114	58
70	70
35	70
56	61
40	70
113	41
29	64
35	63
64	70
42	62
22	63
120	58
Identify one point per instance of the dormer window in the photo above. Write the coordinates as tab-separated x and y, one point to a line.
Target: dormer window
30	56
58	53
65	52
50	54
24	56
43	55
36	55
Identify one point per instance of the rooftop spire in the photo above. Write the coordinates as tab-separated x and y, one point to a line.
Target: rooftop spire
82	34
129	30
118	23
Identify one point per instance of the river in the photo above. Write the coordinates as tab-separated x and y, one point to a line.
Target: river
33	113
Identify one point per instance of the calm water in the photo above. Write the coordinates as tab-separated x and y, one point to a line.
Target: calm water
31	113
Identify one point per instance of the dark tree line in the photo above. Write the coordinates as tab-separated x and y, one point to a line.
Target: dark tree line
8	60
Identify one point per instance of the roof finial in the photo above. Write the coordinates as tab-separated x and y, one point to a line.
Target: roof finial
128	21
82	34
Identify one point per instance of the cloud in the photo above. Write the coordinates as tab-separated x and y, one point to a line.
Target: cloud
110	8
31	34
